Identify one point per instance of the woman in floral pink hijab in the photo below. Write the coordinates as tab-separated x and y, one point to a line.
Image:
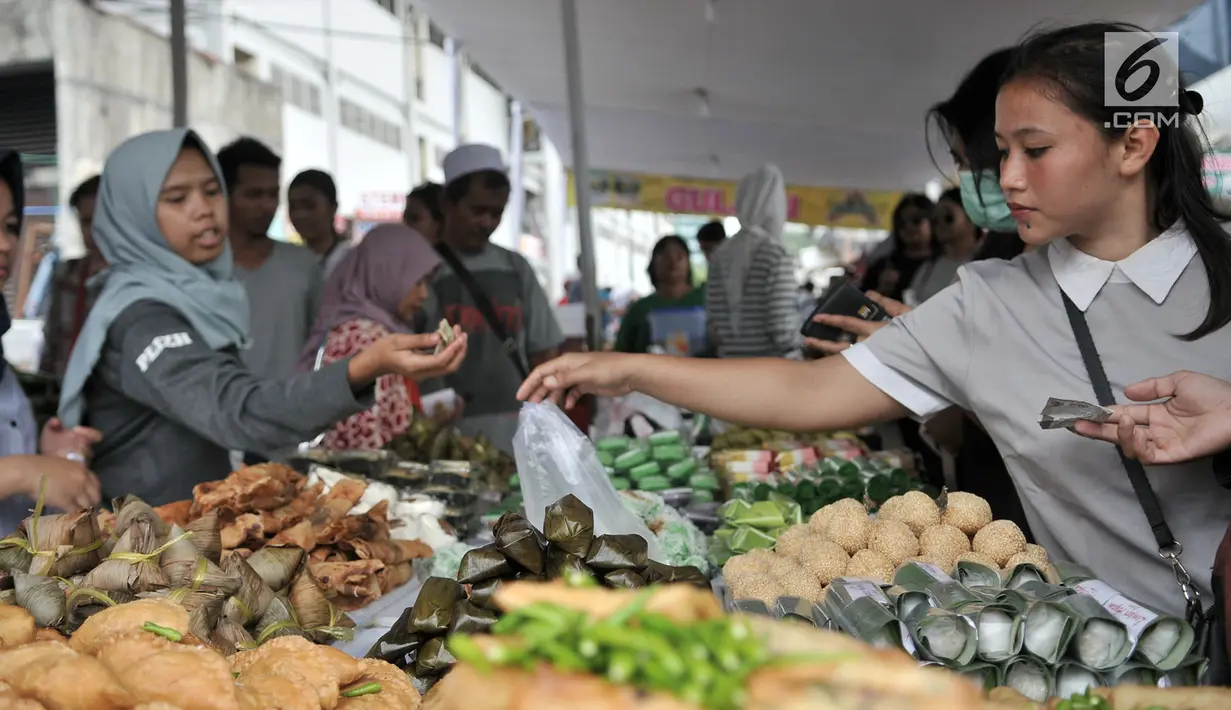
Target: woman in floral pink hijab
374	291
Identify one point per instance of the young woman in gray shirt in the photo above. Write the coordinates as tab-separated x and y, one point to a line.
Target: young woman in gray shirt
1125	230
157	367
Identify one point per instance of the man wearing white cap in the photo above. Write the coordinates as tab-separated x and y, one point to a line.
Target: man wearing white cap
492	293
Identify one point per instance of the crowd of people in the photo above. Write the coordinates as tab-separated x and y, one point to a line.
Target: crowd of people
187	339
1094	258
1072	258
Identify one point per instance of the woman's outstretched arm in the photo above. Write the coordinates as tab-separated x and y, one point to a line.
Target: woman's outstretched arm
823	395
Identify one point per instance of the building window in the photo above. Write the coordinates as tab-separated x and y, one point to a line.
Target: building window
296	91
369	125
423	166
478	71
390	5
435	35
243	59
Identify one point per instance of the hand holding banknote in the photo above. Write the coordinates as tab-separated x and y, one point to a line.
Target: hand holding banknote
1192	421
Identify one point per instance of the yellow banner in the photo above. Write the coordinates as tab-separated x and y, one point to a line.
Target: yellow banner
816	206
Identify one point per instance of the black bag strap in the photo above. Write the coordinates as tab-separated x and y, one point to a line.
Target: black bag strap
1102	389
1168	548
484	304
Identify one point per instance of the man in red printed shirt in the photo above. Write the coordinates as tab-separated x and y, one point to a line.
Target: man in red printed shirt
475	194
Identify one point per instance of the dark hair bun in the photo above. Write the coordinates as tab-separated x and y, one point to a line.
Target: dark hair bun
1191	102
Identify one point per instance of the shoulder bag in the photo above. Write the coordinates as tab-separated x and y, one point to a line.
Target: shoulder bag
484	304
1208	631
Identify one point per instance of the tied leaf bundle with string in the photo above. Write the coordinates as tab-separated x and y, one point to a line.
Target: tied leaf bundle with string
60	545
319	618
133	565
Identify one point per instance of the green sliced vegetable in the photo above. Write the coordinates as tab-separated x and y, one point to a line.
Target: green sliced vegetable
163	631
365	689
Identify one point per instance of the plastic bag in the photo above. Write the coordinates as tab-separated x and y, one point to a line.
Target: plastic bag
614	414
555	459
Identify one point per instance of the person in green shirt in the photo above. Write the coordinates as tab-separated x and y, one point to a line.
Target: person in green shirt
673	317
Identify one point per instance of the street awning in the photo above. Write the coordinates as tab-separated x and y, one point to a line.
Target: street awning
834	92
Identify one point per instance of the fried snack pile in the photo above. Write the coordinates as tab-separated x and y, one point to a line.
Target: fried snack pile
671	648
118	661
268	506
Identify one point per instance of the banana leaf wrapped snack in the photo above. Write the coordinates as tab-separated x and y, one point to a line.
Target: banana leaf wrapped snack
427	440
1159	639
236	603
567	549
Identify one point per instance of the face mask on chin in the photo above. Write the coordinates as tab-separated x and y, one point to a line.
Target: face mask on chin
992	211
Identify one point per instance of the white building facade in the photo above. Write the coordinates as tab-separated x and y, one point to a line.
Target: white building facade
371	91
368	90
374	93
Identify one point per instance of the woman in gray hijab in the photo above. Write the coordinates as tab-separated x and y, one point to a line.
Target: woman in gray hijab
157	369
69	485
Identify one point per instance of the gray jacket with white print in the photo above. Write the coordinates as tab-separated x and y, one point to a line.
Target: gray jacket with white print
170	408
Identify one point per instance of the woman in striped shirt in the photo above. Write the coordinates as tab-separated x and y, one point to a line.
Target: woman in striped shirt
751	306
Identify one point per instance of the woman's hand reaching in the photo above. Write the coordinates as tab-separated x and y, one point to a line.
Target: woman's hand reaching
1193	421
70	486
576	374
410	356
75	443
855	326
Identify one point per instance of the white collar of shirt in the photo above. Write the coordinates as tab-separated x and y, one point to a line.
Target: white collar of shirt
1154	268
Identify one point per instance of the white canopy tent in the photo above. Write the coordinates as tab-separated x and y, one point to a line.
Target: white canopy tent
834	92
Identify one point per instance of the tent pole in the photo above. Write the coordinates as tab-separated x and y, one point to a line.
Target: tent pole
179	63
454	51
581	173
517	200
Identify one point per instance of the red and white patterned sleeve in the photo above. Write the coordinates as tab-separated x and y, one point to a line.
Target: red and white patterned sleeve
390	416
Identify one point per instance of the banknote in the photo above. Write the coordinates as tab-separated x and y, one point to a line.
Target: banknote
1064	413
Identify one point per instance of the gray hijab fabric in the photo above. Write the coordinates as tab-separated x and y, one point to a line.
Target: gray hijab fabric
761	206
142	265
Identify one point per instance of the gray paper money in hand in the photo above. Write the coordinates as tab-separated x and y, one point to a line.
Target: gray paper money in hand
1067	412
